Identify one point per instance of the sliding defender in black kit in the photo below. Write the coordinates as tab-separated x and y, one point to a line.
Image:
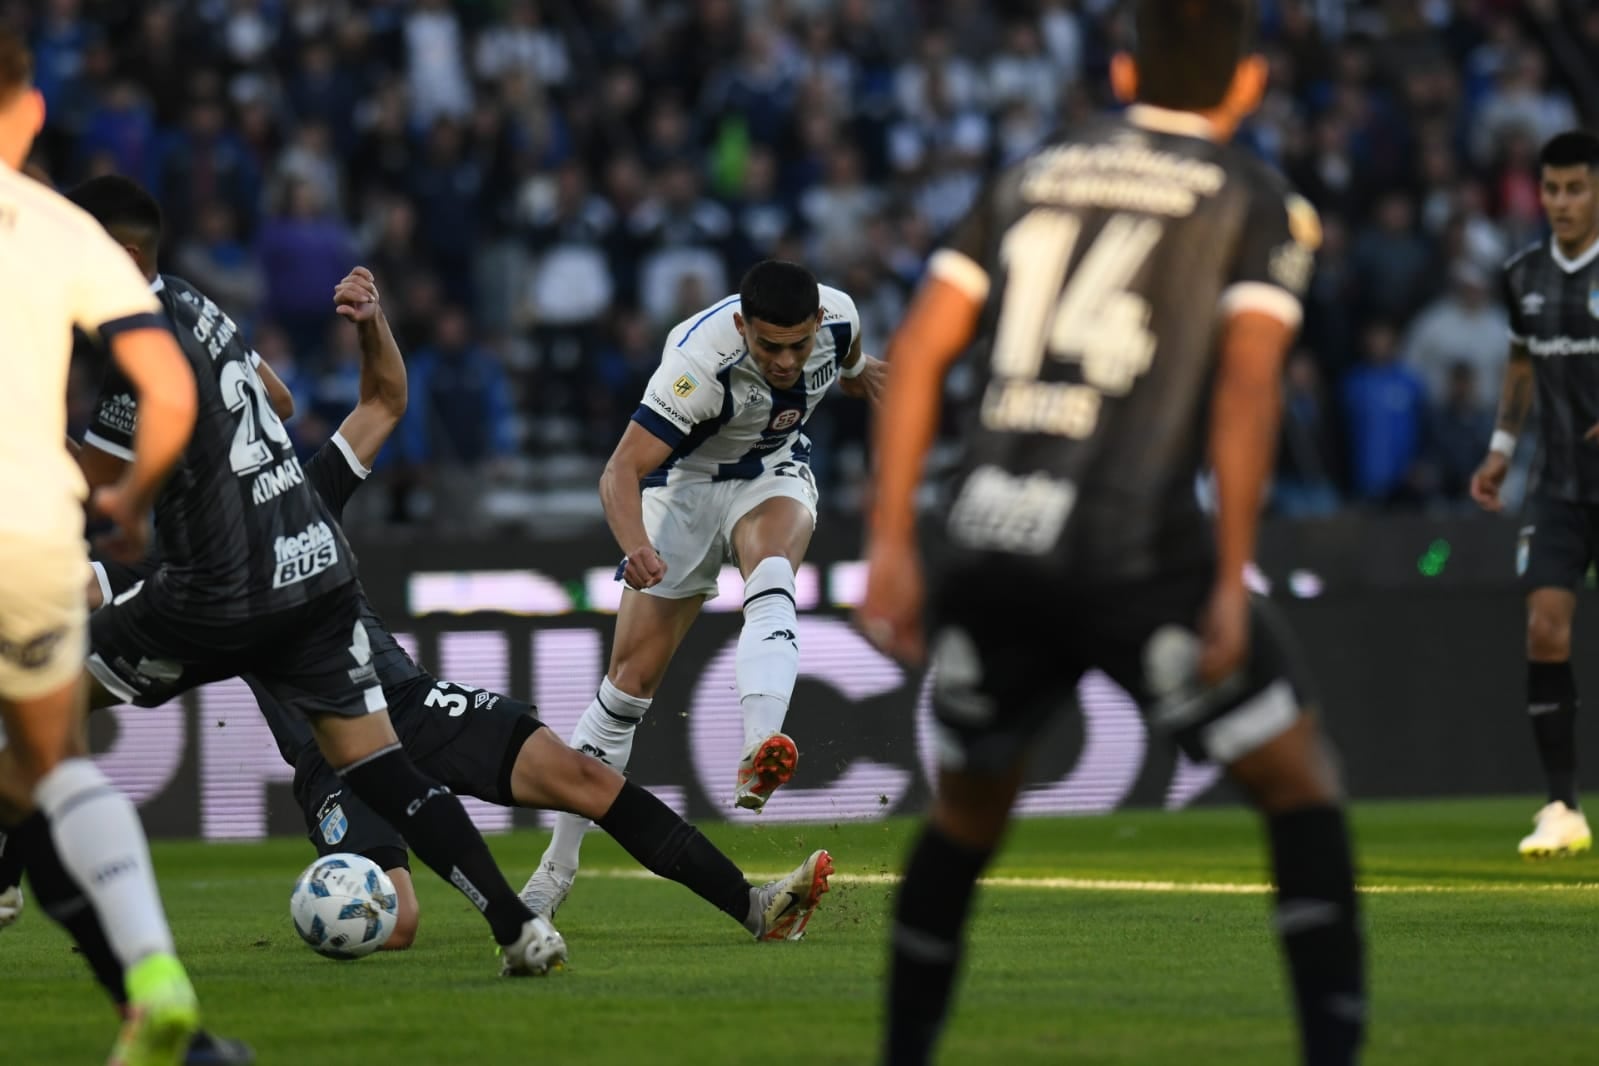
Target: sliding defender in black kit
1551	292
256	577
1136	286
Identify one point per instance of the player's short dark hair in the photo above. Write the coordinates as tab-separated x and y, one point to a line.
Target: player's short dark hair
1574	148
16	63
123	207
779	293
1188	51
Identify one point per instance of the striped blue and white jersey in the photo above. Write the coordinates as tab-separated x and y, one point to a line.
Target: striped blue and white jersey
723	419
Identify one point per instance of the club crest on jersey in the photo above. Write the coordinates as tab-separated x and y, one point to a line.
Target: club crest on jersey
1532	303
331	821
684	386
784	420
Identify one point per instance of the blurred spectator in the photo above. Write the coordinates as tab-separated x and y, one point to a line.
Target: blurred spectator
620	372
458	421
1391	261
1523	102
686	235
522	43
1458	435
305	253
1463	327
215	252
1305	484
1385	412
447	187
436	64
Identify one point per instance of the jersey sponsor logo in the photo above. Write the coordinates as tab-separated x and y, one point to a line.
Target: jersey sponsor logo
304	555
119	413
817	380
484	699
1562	346
1290	266
665	408
753	397
684	386
1532	303
213	328
33	653
330	819
1001	511
785	420
277	481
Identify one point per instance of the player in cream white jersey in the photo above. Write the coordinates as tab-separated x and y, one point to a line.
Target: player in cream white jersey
59	271
716	466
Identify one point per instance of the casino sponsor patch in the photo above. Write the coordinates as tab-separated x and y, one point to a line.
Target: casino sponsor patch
331	821
684	386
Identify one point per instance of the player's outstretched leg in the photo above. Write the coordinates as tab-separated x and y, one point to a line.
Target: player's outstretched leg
1560	828
934	901
1291	779
61	898
606	732
433	822
766	667
549	775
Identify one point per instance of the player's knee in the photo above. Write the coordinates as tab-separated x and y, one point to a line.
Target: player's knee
1548	635
587	785
636	677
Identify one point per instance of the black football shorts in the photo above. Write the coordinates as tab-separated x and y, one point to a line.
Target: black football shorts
1008	654
1557	546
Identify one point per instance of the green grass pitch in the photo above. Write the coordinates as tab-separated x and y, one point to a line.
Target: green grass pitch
1477	957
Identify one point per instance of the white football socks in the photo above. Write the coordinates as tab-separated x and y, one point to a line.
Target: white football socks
767	662
606	732
101	842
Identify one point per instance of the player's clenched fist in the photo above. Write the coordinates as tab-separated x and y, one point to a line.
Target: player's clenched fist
644	568
356	297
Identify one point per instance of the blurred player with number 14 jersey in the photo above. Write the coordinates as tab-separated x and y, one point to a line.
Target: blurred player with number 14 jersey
1137	285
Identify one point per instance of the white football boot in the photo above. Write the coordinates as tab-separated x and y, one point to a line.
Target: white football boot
785	905
764	768
10	905
536	952
1559	831
546	890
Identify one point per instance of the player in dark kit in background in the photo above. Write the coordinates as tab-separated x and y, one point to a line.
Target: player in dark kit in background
1141	280
478	743
256	577
1551	293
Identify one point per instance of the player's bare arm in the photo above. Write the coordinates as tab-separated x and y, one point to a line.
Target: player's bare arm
939	326
637	453
1515	400
383	383
278	393
1246	410
862	376
153	364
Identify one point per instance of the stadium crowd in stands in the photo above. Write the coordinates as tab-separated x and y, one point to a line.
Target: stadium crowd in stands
542	187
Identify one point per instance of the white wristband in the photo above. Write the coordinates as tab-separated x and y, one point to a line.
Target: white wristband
854	371
1502	442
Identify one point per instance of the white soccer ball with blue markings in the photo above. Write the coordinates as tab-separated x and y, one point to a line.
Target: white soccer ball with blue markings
344	906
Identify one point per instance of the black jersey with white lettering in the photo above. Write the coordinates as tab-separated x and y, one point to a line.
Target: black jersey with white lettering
1107	261
1553	303
334	473
240	534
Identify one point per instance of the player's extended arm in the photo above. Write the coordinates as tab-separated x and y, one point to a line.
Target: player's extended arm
1515	400
939	326
862	376
152	363
384	389
278	393
637	453
1246	413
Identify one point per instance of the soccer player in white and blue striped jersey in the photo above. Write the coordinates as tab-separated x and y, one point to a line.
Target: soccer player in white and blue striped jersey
715	465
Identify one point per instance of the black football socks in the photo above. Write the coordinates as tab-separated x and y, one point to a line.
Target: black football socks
664	844
1318	922
433	822
1552	706
935	898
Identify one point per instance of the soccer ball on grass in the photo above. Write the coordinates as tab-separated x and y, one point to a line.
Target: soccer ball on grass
344	906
